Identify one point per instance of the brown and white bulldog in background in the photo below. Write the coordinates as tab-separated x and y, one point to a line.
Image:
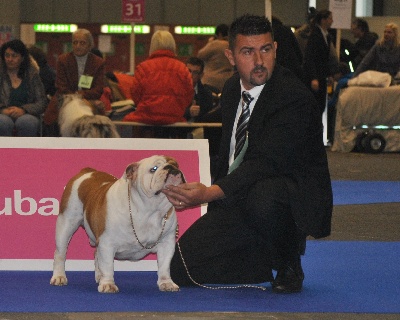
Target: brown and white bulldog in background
125	218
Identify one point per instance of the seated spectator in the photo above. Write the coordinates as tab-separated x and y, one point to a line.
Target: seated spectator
203	99
162	85
384	56
365	39
47	73
79	71
22	96
199	111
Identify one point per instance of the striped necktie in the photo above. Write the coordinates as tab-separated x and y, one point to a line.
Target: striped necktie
241	127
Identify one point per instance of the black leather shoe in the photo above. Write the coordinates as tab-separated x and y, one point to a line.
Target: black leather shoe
289	279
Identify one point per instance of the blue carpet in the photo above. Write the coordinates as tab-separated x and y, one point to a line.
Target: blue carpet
365	192
353	277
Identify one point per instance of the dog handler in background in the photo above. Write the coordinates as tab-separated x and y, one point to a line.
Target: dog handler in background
260	212
79	71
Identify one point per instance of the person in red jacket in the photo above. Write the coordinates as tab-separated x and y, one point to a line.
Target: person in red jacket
162	85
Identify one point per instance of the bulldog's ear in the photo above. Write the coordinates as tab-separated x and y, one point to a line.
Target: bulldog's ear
131	171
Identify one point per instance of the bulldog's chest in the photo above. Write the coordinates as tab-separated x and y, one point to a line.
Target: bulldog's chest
133	234
134	240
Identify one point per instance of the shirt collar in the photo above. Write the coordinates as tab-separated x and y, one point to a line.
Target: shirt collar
254	92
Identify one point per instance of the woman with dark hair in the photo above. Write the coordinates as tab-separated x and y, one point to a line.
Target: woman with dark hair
22	95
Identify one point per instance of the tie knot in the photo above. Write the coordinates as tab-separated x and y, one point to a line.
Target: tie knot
247	98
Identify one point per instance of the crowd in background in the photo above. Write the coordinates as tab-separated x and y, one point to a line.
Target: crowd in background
271	185
166	90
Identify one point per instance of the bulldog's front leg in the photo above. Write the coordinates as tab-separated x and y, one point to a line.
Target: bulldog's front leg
165	252
105	272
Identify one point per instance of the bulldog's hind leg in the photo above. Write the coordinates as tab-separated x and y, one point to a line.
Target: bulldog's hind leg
66	226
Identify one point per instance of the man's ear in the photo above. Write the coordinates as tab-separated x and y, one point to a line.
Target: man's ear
229	55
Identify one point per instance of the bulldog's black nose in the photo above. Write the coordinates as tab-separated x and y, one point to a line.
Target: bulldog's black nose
175	172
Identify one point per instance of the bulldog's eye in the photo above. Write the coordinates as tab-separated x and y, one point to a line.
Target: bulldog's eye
154	169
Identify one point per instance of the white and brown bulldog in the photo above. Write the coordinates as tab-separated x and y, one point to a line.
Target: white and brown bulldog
125	218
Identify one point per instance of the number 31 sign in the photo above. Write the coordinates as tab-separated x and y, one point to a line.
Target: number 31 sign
133	10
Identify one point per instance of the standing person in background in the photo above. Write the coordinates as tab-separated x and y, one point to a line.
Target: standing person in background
288	53
203	99
272	186
217	68
79	71
317	57
162	85
303	32
384	56
365	39
22	96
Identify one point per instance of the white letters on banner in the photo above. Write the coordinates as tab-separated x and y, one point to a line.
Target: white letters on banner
28	206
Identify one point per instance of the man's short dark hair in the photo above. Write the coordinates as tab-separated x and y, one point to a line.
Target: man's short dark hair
196	62
222	30
249	25
323	14
361	24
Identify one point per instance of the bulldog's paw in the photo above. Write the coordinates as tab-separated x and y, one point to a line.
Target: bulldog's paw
108	288
167	285
58	281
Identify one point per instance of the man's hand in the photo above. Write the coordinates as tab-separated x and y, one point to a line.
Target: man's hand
192	194
194	110
315	85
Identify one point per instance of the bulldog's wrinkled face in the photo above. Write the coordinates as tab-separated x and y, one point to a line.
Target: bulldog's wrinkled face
151	175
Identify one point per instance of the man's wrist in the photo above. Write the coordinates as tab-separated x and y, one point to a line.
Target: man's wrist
214	192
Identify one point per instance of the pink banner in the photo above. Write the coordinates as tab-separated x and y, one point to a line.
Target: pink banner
31	185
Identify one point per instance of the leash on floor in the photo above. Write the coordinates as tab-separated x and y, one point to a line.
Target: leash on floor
215	287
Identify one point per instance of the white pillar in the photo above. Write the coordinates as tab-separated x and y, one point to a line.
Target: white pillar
268	9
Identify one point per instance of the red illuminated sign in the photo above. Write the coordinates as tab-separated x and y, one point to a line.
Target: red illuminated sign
133	10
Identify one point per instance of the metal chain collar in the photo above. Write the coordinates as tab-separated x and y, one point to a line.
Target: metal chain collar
133	227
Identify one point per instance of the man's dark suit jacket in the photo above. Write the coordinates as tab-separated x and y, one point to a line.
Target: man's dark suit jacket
285	140
204	99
